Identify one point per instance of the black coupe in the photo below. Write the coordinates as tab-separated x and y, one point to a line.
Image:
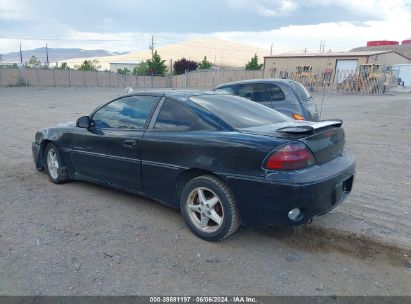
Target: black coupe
221	159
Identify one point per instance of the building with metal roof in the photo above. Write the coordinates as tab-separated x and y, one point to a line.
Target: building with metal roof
333	66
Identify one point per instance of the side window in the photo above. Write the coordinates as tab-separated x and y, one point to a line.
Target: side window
256	92
246	91
125	113
174	116
275	93
226	90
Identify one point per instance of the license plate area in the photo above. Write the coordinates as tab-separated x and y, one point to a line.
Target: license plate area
343	188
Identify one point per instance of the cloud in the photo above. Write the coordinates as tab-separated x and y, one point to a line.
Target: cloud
284	7
127	25
11	10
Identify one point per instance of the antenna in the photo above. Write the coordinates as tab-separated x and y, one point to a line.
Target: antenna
322	46
323	91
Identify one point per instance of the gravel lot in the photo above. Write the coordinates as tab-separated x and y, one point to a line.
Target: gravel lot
80	238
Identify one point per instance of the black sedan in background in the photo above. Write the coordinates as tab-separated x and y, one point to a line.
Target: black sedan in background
221	159
284	95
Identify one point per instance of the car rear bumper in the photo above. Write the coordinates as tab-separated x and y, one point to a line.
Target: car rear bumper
315	191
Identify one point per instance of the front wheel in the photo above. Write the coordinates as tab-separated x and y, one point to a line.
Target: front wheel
55	165
209	208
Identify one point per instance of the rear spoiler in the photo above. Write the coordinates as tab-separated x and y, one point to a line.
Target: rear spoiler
311	128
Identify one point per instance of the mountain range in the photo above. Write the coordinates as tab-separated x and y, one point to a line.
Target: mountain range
55	54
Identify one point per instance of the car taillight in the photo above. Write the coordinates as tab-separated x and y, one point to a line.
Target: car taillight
291	156
298	116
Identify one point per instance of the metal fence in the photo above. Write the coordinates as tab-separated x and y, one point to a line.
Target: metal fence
342	81
348	81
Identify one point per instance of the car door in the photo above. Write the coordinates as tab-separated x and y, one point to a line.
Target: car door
169	145
284	100
109	150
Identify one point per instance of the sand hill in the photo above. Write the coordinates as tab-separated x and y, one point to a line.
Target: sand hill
219	52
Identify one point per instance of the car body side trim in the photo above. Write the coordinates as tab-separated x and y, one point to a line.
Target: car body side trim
133	160
164	165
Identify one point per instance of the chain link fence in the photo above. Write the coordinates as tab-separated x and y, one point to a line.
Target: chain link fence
348	81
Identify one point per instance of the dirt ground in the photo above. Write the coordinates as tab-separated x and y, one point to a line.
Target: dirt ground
83	239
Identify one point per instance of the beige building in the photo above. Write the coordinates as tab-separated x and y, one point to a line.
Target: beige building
130	65
334	66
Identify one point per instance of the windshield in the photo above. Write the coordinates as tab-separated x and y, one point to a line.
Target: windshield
239	112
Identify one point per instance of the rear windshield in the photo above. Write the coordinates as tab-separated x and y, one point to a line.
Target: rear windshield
239	112
301	90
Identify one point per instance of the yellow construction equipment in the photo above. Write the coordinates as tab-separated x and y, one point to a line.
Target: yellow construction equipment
373	78
304	75
368	78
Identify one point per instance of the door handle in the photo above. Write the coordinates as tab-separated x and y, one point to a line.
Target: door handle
129	143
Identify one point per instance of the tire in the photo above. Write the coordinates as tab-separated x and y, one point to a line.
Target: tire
54	165
209	208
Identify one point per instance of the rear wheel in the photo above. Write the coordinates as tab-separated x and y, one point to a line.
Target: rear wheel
55	165
209	208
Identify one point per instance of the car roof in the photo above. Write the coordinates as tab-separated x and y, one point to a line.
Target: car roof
175	93
268	80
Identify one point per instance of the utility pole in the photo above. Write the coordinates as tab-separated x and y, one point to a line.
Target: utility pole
271	51
152	46
47	56
21	55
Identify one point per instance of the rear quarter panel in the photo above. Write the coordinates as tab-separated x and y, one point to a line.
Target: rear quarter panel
166	155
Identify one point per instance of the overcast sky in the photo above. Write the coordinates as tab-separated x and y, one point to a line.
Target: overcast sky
127	25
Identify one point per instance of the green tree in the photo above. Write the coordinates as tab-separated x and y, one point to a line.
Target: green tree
156	65
205	64
34	62
63	66
88	65
124	71
141	69
253	64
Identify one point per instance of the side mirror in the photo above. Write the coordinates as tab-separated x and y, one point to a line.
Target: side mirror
83	122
